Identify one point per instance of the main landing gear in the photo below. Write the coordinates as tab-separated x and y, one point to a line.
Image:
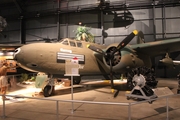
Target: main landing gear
45	83
49	88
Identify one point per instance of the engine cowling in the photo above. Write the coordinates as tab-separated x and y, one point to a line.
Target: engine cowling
123	60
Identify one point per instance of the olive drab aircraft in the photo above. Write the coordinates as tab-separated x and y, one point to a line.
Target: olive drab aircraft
95	58
169	62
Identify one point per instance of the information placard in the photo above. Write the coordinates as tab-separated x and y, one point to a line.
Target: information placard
72	67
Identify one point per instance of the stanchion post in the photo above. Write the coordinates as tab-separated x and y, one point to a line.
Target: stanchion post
57	109
129	111
167	108
72	95
4	114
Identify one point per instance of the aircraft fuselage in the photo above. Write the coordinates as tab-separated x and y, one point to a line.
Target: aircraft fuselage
50	58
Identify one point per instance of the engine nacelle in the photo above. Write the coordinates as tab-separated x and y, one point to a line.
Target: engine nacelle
123	60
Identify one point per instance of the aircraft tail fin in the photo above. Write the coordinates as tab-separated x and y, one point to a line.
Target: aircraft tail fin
140	37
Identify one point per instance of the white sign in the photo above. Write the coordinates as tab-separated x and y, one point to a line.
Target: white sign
72	67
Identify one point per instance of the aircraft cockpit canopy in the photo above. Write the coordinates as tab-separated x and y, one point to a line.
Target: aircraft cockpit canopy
73	43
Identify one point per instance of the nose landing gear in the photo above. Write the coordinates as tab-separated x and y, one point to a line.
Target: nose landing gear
49	88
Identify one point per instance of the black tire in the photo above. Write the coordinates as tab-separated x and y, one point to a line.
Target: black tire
76	80
53	91
46	91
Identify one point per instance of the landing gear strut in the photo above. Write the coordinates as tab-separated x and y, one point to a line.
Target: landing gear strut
49	88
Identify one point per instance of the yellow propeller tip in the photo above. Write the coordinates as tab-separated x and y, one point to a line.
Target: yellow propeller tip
112	90
135	32
88	45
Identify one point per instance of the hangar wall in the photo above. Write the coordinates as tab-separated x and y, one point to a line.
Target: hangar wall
34	21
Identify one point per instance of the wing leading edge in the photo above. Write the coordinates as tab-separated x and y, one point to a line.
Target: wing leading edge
158	47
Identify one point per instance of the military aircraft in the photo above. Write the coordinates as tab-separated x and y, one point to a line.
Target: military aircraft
3	25
169	62
94	58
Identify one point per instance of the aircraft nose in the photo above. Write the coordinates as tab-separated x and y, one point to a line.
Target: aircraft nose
16	52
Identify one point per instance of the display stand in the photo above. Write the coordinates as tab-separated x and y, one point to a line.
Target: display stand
72	69
141	94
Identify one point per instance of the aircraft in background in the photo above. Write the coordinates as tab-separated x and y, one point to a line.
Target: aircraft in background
169	62
95	59
3	25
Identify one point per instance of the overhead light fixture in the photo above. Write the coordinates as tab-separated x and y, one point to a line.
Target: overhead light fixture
80	23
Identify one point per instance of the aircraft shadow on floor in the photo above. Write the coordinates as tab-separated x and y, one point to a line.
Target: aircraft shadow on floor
106	88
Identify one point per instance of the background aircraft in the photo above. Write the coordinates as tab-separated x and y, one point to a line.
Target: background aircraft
3	25
169	62
94	58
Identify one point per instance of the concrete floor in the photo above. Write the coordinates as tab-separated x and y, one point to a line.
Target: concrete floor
32	109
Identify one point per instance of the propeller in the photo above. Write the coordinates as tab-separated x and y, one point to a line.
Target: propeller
112	54
140	37
123	43
93	48
46	39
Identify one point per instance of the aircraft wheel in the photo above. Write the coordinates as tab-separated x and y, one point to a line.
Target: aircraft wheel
146	72
76	79
128	98
53	91
47	91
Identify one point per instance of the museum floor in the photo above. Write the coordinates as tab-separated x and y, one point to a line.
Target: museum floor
33	109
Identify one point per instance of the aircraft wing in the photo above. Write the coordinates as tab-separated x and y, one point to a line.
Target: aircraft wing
158	47
9	47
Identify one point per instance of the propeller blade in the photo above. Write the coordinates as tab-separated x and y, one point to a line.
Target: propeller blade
140	37
126	41
116	94
98	50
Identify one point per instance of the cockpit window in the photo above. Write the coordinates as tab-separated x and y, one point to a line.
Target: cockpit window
79	44
72	43
65	42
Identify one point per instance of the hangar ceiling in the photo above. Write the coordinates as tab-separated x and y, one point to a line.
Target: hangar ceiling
63	6
22	15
